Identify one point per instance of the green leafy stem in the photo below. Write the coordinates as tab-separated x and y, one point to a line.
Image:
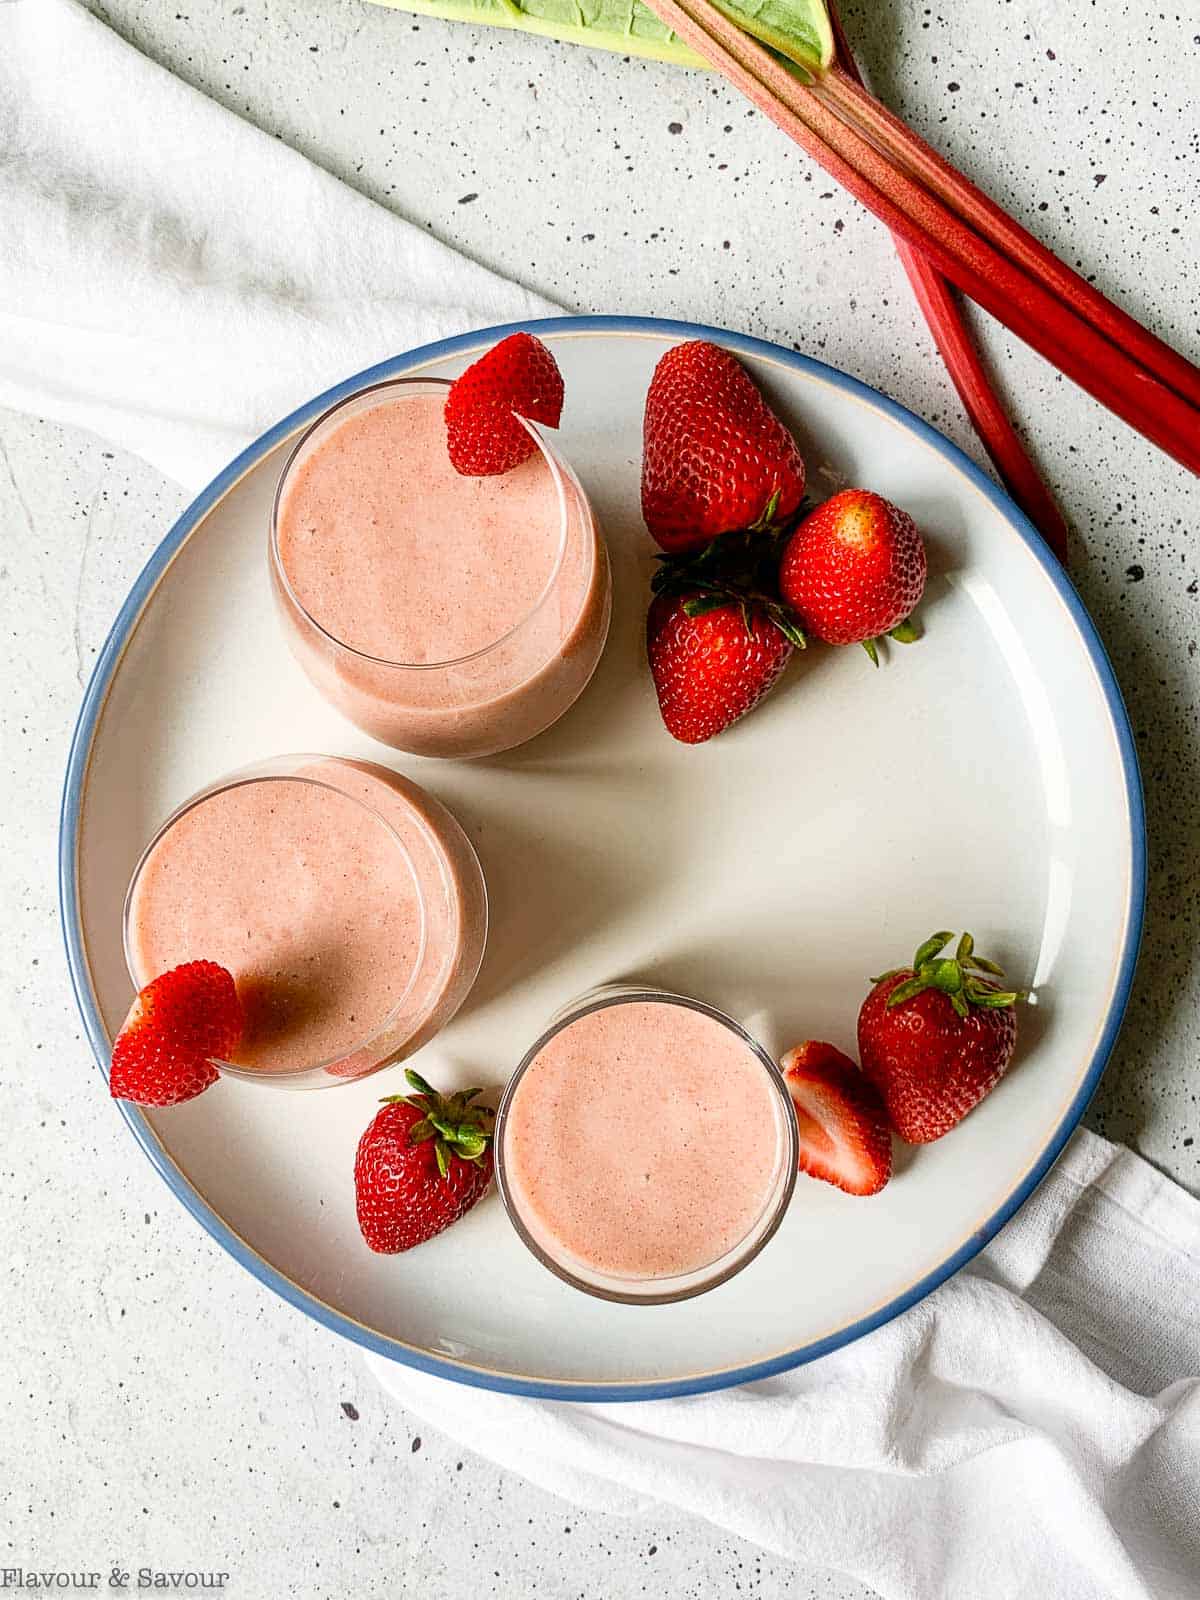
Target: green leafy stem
739	568
957	977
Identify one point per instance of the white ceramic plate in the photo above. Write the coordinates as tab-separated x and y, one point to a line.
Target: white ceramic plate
984	778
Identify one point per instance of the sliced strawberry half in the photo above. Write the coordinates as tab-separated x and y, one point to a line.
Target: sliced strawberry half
178	1025
516	378
844	1134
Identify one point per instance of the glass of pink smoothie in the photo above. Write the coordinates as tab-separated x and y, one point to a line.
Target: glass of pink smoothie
348	904
646	1146
444	615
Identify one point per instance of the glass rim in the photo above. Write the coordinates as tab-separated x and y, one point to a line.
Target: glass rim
266	772
736	1257
561	474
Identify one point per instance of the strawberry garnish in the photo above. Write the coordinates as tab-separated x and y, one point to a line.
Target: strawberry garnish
712	660
176	1028
424	1161
516	378
844	1134
715	457
937	1036
854	570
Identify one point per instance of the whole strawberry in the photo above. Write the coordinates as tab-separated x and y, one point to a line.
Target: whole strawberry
711	661
843	1127
176	1028
423	1162
936	1037
854	570
516	378
715	457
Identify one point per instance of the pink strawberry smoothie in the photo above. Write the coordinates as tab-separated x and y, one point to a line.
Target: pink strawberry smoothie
443	614
348	904
645	1140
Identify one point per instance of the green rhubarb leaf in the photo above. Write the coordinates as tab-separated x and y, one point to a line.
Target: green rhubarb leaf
798	29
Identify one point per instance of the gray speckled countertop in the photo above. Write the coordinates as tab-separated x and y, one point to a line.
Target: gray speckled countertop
157	1406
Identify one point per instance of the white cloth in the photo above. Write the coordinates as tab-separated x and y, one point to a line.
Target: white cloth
1030	1431
176	280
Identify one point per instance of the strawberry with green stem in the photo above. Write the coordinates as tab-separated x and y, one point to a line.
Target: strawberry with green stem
937	1036
424	1162
853	571
717	635
715	457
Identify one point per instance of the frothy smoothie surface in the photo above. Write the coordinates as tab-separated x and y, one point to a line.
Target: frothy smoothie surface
643	1141
397	555
304	894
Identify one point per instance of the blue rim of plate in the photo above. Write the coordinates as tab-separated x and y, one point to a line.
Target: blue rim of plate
77	765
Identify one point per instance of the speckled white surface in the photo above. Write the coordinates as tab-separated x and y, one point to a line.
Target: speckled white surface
156	1406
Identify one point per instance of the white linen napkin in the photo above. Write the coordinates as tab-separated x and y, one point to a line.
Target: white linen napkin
1030	1431
176	280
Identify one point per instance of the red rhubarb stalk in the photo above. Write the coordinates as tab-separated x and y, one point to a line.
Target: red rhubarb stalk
999	286
980	401
917	215
909	153
944	316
